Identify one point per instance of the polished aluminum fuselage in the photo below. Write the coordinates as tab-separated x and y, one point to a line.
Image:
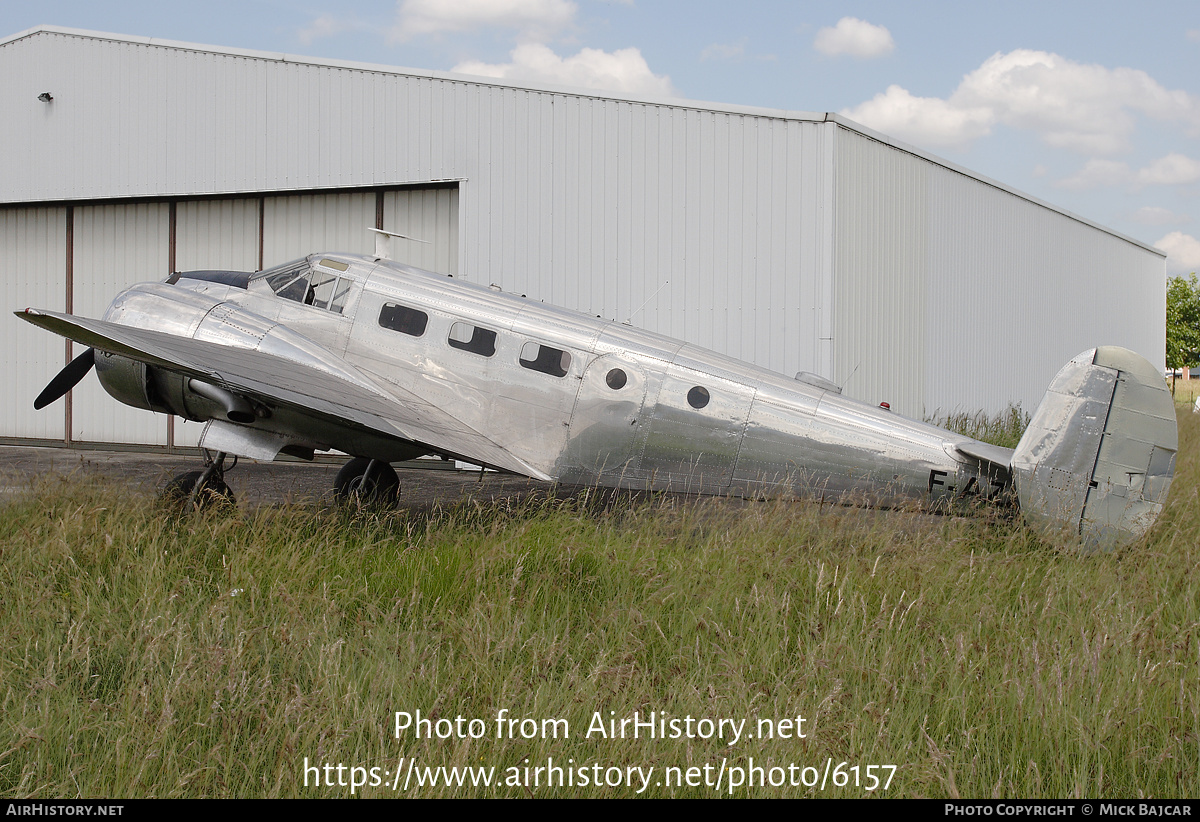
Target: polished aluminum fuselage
631	408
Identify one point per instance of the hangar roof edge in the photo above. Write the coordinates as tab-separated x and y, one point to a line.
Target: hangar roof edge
674	102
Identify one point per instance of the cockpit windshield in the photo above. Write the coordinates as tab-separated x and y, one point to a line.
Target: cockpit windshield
321	285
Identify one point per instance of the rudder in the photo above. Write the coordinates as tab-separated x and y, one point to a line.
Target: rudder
1097	459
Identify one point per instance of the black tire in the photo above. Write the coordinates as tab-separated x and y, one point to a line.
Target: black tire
381	486
179	490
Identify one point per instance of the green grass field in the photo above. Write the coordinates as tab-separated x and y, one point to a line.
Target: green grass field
935	656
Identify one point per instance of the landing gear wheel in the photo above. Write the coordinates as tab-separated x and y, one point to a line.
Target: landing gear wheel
195	490
187	487
367	482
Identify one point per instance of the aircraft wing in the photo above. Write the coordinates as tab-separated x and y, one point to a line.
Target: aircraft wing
349	397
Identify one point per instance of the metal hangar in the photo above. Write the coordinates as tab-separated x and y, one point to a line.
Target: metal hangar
794	240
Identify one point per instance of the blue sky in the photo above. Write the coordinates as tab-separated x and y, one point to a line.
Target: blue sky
1092	106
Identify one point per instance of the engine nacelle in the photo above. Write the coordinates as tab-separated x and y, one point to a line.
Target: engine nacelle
127	381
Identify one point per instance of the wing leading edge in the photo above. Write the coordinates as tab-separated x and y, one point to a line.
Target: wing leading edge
348	397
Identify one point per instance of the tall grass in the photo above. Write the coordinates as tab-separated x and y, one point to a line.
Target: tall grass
142	655
1004	428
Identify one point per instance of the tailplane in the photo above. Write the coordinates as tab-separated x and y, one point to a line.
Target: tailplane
1096	461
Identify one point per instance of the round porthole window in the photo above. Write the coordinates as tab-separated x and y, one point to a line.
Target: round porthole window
698	397
616	379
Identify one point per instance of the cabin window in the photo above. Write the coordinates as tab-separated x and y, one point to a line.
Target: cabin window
698	397
467	337
403	319
616	379
552	361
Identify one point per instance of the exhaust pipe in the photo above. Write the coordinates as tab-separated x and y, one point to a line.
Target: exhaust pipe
237	409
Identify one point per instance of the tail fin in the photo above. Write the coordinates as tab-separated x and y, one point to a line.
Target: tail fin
1097	459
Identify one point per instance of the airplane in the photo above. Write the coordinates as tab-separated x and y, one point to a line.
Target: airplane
386	362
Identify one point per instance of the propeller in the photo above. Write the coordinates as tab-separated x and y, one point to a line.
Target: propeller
66	379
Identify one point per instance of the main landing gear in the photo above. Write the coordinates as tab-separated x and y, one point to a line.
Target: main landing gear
361	481
196	490
368	482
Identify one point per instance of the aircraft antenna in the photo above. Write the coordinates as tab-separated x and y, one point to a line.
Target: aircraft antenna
383	241
847	382
648	299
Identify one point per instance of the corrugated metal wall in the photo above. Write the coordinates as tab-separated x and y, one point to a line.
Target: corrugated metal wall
33	247
880	274
585	201
110	247
794	241
706	226
217	234
430	218
944	282
115	246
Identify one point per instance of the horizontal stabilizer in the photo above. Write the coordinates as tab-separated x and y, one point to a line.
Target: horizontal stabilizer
994	454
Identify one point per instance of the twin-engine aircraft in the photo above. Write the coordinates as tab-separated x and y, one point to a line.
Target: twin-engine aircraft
387	362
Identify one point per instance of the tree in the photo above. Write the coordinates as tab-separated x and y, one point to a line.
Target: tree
1183	322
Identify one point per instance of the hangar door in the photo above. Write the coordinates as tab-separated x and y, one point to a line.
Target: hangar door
78	257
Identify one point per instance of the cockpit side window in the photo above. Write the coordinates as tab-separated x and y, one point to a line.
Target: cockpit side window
289	281
321	286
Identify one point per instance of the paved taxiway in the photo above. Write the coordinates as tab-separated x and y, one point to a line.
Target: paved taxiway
253	483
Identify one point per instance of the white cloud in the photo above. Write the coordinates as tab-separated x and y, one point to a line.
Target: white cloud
325	26
1183	252
624	70
532	18
733	52
1098	173
1154	215
1173	169
1170	170
924	121
854	37
1085	108
1088	109
724	51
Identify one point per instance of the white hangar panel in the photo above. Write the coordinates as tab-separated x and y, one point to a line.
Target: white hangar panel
944	280
216	234
796	241
576	199
430	217
1030	286
115	246
33	248
880	273
709	226
294	226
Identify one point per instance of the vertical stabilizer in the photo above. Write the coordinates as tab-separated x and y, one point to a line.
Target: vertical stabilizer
1097	459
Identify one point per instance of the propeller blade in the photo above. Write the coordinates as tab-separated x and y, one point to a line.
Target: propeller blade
66	379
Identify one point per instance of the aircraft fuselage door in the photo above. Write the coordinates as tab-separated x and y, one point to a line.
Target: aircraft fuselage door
607	429
696	430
